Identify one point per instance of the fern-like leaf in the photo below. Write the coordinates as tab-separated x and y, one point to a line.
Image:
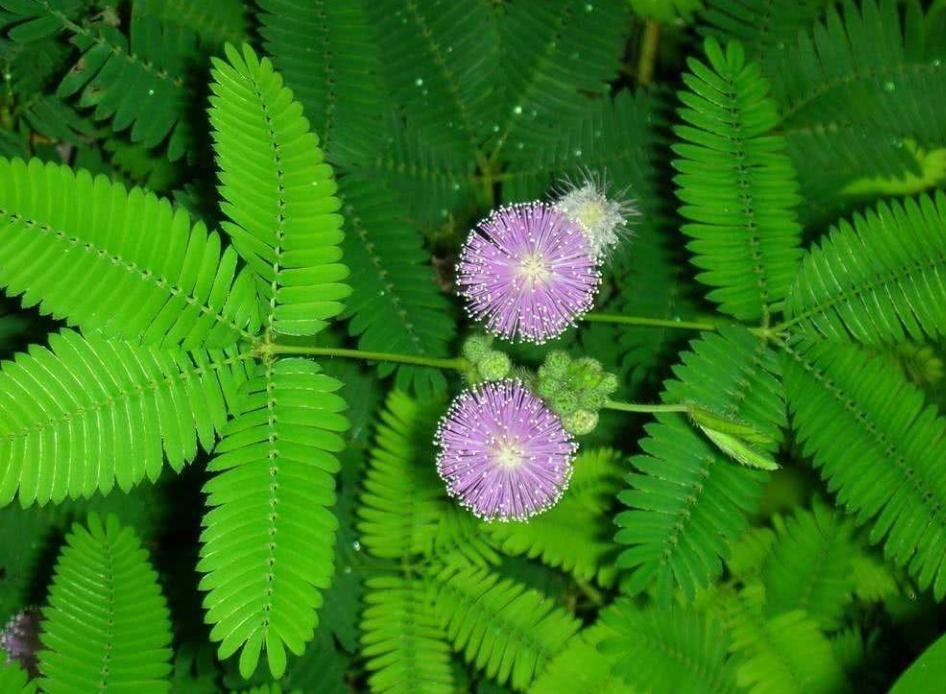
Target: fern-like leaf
879	279
396	305
576	534
667	650
688	500
123	262
786	654
499	625
279	196
107	626
404	509
582	666
402	639
137	82
90	413
554	56
737	184
880	448
441	62
15	680
811	566
269	536
855	90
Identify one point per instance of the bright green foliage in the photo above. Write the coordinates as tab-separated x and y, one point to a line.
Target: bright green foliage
582	667
784	654
878	279
268	540
107	626
929	667
278	193
810	566
673	650
501	626
576	533
879	447
401	502
402	640
404	510
736	184
66	414
688	500
13	679
395	304
403	515
123	262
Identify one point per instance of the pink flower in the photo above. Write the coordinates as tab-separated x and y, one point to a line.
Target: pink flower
503	453
529	272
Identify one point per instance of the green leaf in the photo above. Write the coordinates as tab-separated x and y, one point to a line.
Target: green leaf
106	626
688	500
404	509
138	81
441	62
786	654
667	650
89	413
878	279
854	91
576	533
15	680
581	666
503	628
401	639
554	56
736	184
123	262
879	446
929	667
810	567
279	195
268	544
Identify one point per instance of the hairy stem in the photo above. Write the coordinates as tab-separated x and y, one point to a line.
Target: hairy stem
648	322
457	364
644	407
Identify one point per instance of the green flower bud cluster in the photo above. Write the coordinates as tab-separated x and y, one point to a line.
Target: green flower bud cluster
575	389
486	364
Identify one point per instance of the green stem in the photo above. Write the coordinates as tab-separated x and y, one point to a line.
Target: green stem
649	322
457	364
590	591
644	407
648	55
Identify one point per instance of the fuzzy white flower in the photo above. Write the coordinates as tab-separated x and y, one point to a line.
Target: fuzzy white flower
602	219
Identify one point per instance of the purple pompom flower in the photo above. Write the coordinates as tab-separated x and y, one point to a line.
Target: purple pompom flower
528	271
503	453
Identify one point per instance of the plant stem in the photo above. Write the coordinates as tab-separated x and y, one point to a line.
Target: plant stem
648	55
644	407
590	591
650	322
457	364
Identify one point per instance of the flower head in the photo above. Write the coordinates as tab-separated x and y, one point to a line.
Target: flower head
20	639
503	453
528	272
600	217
